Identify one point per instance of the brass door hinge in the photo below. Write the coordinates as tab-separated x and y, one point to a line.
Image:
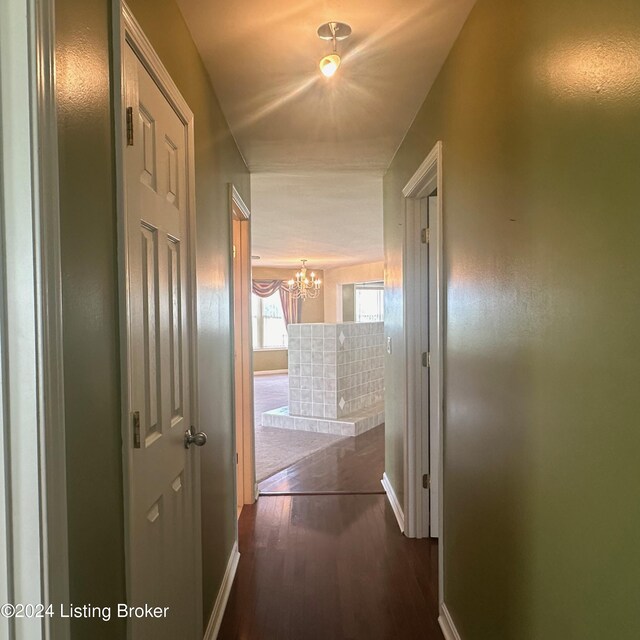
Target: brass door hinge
426	359
426	481
130	126
425	236
136	429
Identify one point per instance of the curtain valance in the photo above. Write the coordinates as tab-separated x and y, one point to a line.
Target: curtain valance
291	307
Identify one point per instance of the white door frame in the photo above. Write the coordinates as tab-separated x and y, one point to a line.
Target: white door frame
34	565
426	179
127	32
247	491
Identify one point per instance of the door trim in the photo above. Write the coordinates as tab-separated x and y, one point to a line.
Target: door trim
427	178
239	211
127	32
242	212
34	563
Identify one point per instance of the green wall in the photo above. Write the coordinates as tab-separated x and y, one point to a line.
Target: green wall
90	293
538	108
90	298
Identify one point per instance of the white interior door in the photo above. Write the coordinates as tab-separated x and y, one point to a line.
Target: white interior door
430	375
435	407
164	516
424	397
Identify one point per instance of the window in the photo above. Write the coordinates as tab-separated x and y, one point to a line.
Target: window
269	329
369	302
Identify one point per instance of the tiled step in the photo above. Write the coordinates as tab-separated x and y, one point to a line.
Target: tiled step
352	425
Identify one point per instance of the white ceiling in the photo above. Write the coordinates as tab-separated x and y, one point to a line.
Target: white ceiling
288	119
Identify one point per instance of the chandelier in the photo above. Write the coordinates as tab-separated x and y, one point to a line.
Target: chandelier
304	286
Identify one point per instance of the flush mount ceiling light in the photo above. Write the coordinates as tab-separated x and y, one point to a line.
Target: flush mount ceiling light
333	31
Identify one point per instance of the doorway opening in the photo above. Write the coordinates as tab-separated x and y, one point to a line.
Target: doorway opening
424	321
362	301
242	340
319	382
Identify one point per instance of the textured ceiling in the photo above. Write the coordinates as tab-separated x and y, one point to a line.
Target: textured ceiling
331	219
287	118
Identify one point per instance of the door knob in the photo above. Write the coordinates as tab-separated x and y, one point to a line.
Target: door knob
190	438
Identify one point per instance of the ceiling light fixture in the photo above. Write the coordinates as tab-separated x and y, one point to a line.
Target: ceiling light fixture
304	287
333	31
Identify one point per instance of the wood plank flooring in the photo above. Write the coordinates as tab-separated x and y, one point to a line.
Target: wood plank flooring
353	465
330	568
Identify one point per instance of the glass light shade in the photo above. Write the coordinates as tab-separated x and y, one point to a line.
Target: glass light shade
329	64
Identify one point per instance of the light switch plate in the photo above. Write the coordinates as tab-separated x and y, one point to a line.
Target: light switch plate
389	345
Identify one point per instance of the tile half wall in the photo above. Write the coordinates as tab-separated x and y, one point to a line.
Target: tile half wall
336	375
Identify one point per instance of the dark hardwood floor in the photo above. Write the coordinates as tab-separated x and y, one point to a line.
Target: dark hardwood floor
330	567
352	465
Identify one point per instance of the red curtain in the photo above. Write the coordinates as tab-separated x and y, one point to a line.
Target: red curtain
291	307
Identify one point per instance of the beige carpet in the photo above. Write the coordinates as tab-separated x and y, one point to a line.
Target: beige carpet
277	449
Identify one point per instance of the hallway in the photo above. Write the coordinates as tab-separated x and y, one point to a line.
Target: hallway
325	559
330	568
464	175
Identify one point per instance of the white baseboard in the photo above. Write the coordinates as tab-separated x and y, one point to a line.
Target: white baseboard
270	373
223	595
393	500
446	624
